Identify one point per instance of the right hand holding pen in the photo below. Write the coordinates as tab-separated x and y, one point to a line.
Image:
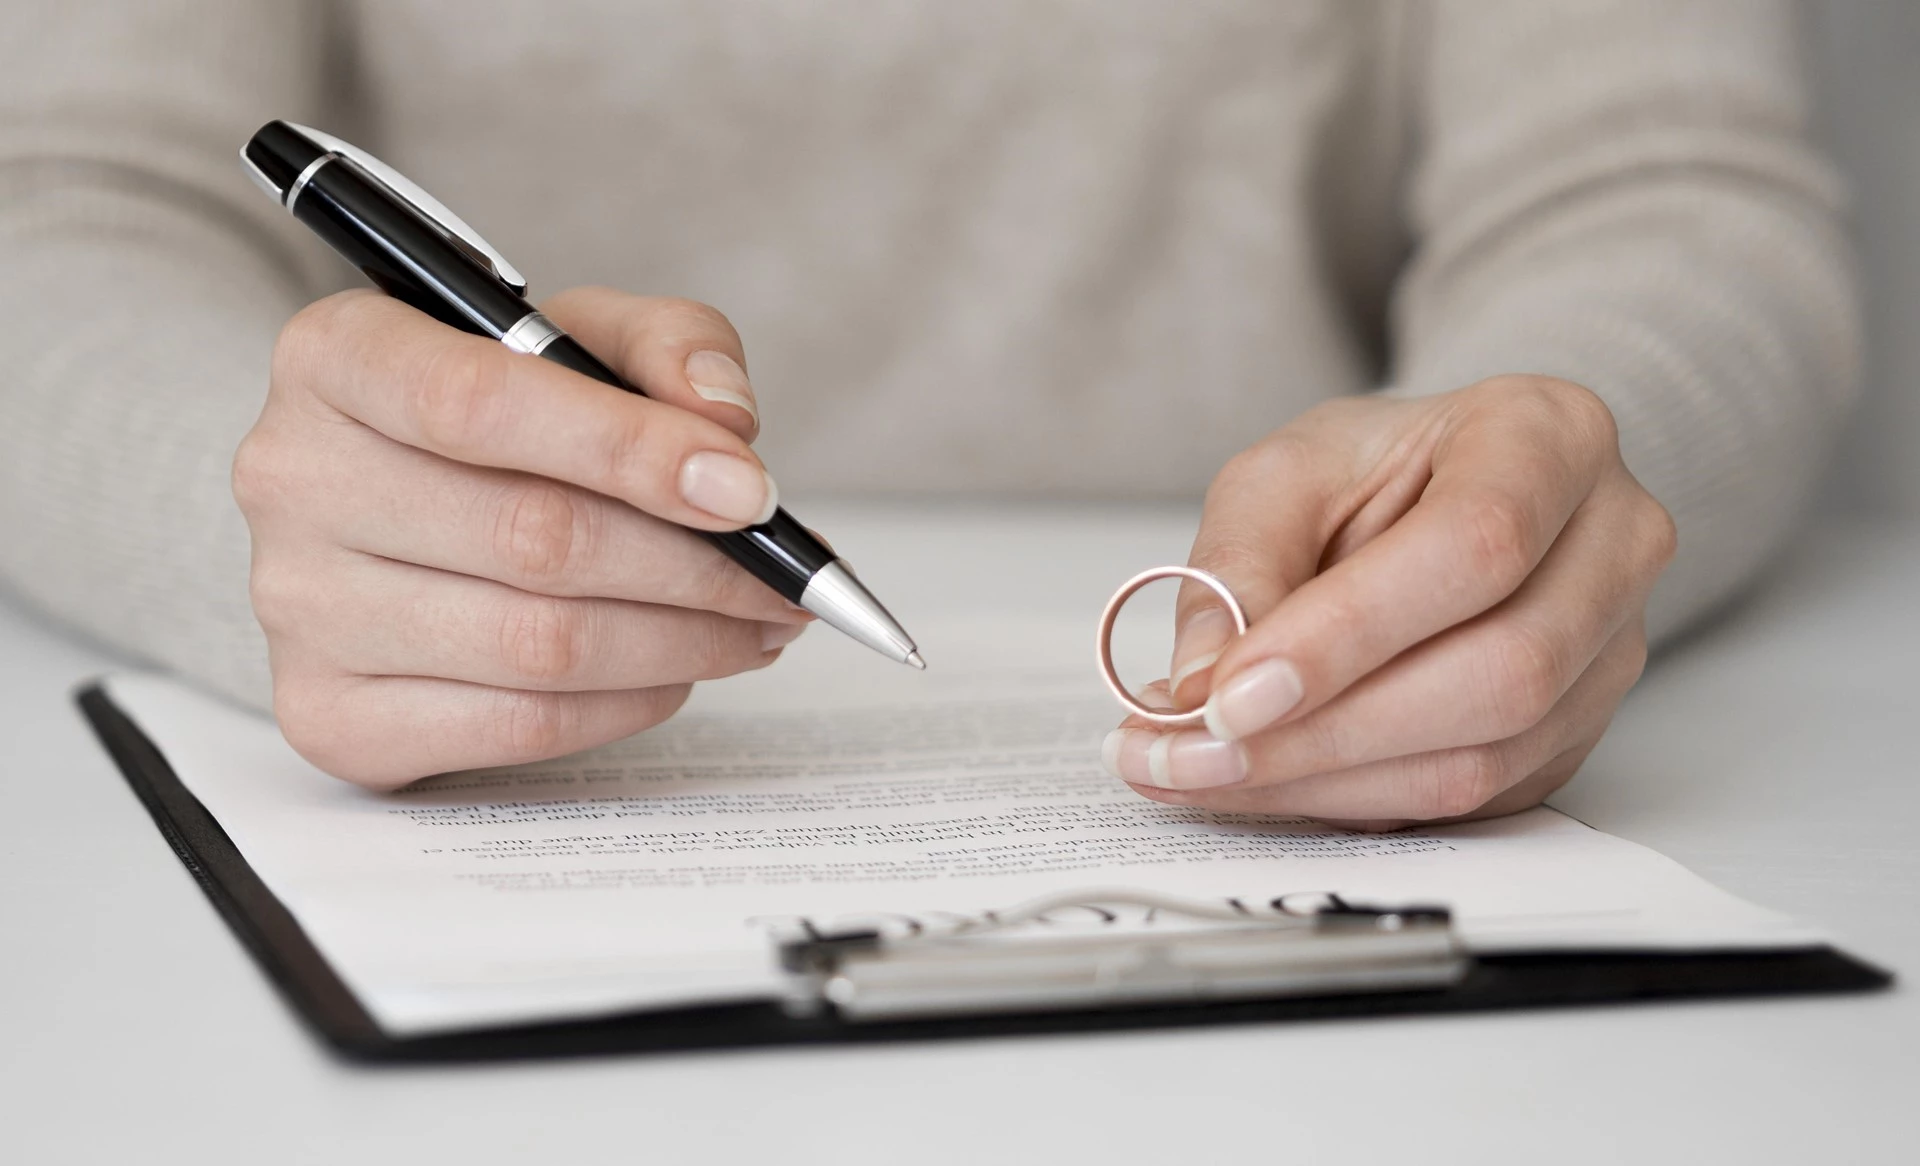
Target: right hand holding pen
466	557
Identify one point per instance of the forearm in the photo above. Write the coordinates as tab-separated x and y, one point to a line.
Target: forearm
142	331
142	282
1624	198
1722	335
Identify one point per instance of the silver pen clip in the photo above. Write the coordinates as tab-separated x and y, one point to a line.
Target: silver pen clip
432	209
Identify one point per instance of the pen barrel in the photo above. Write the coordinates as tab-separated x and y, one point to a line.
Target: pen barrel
779	552
410	258
403	253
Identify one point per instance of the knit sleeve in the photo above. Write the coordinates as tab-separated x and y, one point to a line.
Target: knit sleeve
142	281
1621	193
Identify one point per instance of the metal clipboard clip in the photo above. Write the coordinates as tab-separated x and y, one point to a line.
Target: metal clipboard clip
985	968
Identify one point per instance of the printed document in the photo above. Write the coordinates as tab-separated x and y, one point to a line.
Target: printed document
842	790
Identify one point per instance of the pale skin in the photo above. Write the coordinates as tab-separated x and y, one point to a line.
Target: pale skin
1447	602
464	557
467	557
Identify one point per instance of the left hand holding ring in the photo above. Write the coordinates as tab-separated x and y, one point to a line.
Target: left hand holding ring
1447	598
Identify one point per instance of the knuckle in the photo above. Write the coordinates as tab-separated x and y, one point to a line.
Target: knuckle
716	644
1324	743
1525	674
287	366
1458	781
670	326
278	593
660	704
543	534
1587	413
457	396
1625	659
1662	535
691	316
1263	461
1517	390
533	725
316	335
1556	406
1234	550
718	584
543	641
1575	408
628	459
260	474
1236	535
307	710
1345	619
294	708
1499	538
302	338
1636	660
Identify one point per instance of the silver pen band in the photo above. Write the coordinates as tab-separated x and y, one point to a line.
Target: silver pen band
531	334
299	184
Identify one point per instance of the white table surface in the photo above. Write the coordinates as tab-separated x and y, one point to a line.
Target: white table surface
1770	752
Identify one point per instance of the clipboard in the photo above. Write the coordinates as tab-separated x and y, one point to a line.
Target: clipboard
1372	961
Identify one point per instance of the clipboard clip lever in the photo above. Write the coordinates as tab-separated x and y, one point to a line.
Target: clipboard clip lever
1193	952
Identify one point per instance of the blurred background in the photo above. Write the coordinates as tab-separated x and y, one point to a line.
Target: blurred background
1867	58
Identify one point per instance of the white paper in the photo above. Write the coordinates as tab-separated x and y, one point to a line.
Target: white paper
839	788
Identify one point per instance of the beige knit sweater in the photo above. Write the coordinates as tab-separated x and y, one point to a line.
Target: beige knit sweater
1018	247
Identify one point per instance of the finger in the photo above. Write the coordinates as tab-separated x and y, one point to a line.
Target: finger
1503	485
385	731
1426	786
1262	532
1491	678
396	619
469	399
1542	784
533	534
677	351
1522	795
1139	750
1525	795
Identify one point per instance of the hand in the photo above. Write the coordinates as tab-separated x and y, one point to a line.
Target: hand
465	557
1446	599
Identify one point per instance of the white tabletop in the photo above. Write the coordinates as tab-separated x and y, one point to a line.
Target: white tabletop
1771	753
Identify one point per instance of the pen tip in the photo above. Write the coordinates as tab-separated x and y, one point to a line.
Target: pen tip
914	659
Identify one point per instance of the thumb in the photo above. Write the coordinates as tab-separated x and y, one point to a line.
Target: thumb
1267	523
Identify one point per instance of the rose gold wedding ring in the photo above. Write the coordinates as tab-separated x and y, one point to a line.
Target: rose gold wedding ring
1103	649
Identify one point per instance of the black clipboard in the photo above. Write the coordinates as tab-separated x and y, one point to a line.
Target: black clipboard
274	938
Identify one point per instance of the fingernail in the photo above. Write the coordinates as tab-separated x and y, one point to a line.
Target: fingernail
778	635
718	377
1183	760
1194	760
1198	644
728	487
1253	698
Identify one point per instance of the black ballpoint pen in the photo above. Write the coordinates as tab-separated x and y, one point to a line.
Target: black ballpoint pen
417	251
